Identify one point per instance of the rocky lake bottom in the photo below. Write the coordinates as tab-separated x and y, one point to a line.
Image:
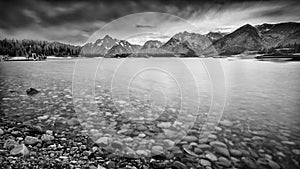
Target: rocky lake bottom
44	131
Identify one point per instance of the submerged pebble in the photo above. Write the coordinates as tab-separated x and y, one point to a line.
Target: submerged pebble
20	149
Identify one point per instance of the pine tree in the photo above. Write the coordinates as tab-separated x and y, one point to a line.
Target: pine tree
26	47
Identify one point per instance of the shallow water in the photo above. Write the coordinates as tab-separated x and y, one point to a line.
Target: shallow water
267	91
258	96
258	88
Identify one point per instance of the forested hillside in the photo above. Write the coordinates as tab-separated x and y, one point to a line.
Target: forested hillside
26	47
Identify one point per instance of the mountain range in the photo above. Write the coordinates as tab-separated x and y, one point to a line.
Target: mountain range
245	38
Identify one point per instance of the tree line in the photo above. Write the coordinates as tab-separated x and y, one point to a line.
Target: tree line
294	48
13	47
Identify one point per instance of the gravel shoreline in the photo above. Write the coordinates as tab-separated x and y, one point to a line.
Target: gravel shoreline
23	145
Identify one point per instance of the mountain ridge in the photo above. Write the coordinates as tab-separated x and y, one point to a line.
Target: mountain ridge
100	46
122	47
244	38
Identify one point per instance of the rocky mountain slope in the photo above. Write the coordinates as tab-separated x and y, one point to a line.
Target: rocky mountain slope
244	38
151	47
214	36
291	39
150	44
100	47
122	47
176	46
187	43
274	34
263	36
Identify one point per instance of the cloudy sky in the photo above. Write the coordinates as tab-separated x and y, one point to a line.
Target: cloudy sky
78	22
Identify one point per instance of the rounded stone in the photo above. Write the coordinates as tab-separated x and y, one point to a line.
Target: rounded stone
224	162
142	135
157	150
268	156
49	132
44	117
142	128
187	148
36	130
176	151
198	150
157	164
87	153
218	144
30	140
117	144
212	136
235	161
245	152
261	161
204	147
190	138
280	154
249	162
142	152
164	125
235	153
222	151
296	151
128	139
103	141
218	128
203	140
170	133
108	114
111	164
47	137
205	162
211	157
169	143
226	123
179	165
73	122
193	144
9	143
20	149
122	131
288	143
65	158
130	152
273	164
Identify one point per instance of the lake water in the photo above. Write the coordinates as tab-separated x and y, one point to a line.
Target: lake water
253	88
256	96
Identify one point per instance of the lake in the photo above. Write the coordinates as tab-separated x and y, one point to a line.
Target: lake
165	99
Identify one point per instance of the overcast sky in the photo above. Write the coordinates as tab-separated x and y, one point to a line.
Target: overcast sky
74	21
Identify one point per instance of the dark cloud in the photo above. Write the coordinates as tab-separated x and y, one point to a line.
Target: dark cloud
82	16
160	36
289	9
143	26
53	12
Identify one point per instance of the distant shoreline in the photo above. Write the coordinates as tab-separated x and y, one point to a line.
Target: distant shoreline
262	57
